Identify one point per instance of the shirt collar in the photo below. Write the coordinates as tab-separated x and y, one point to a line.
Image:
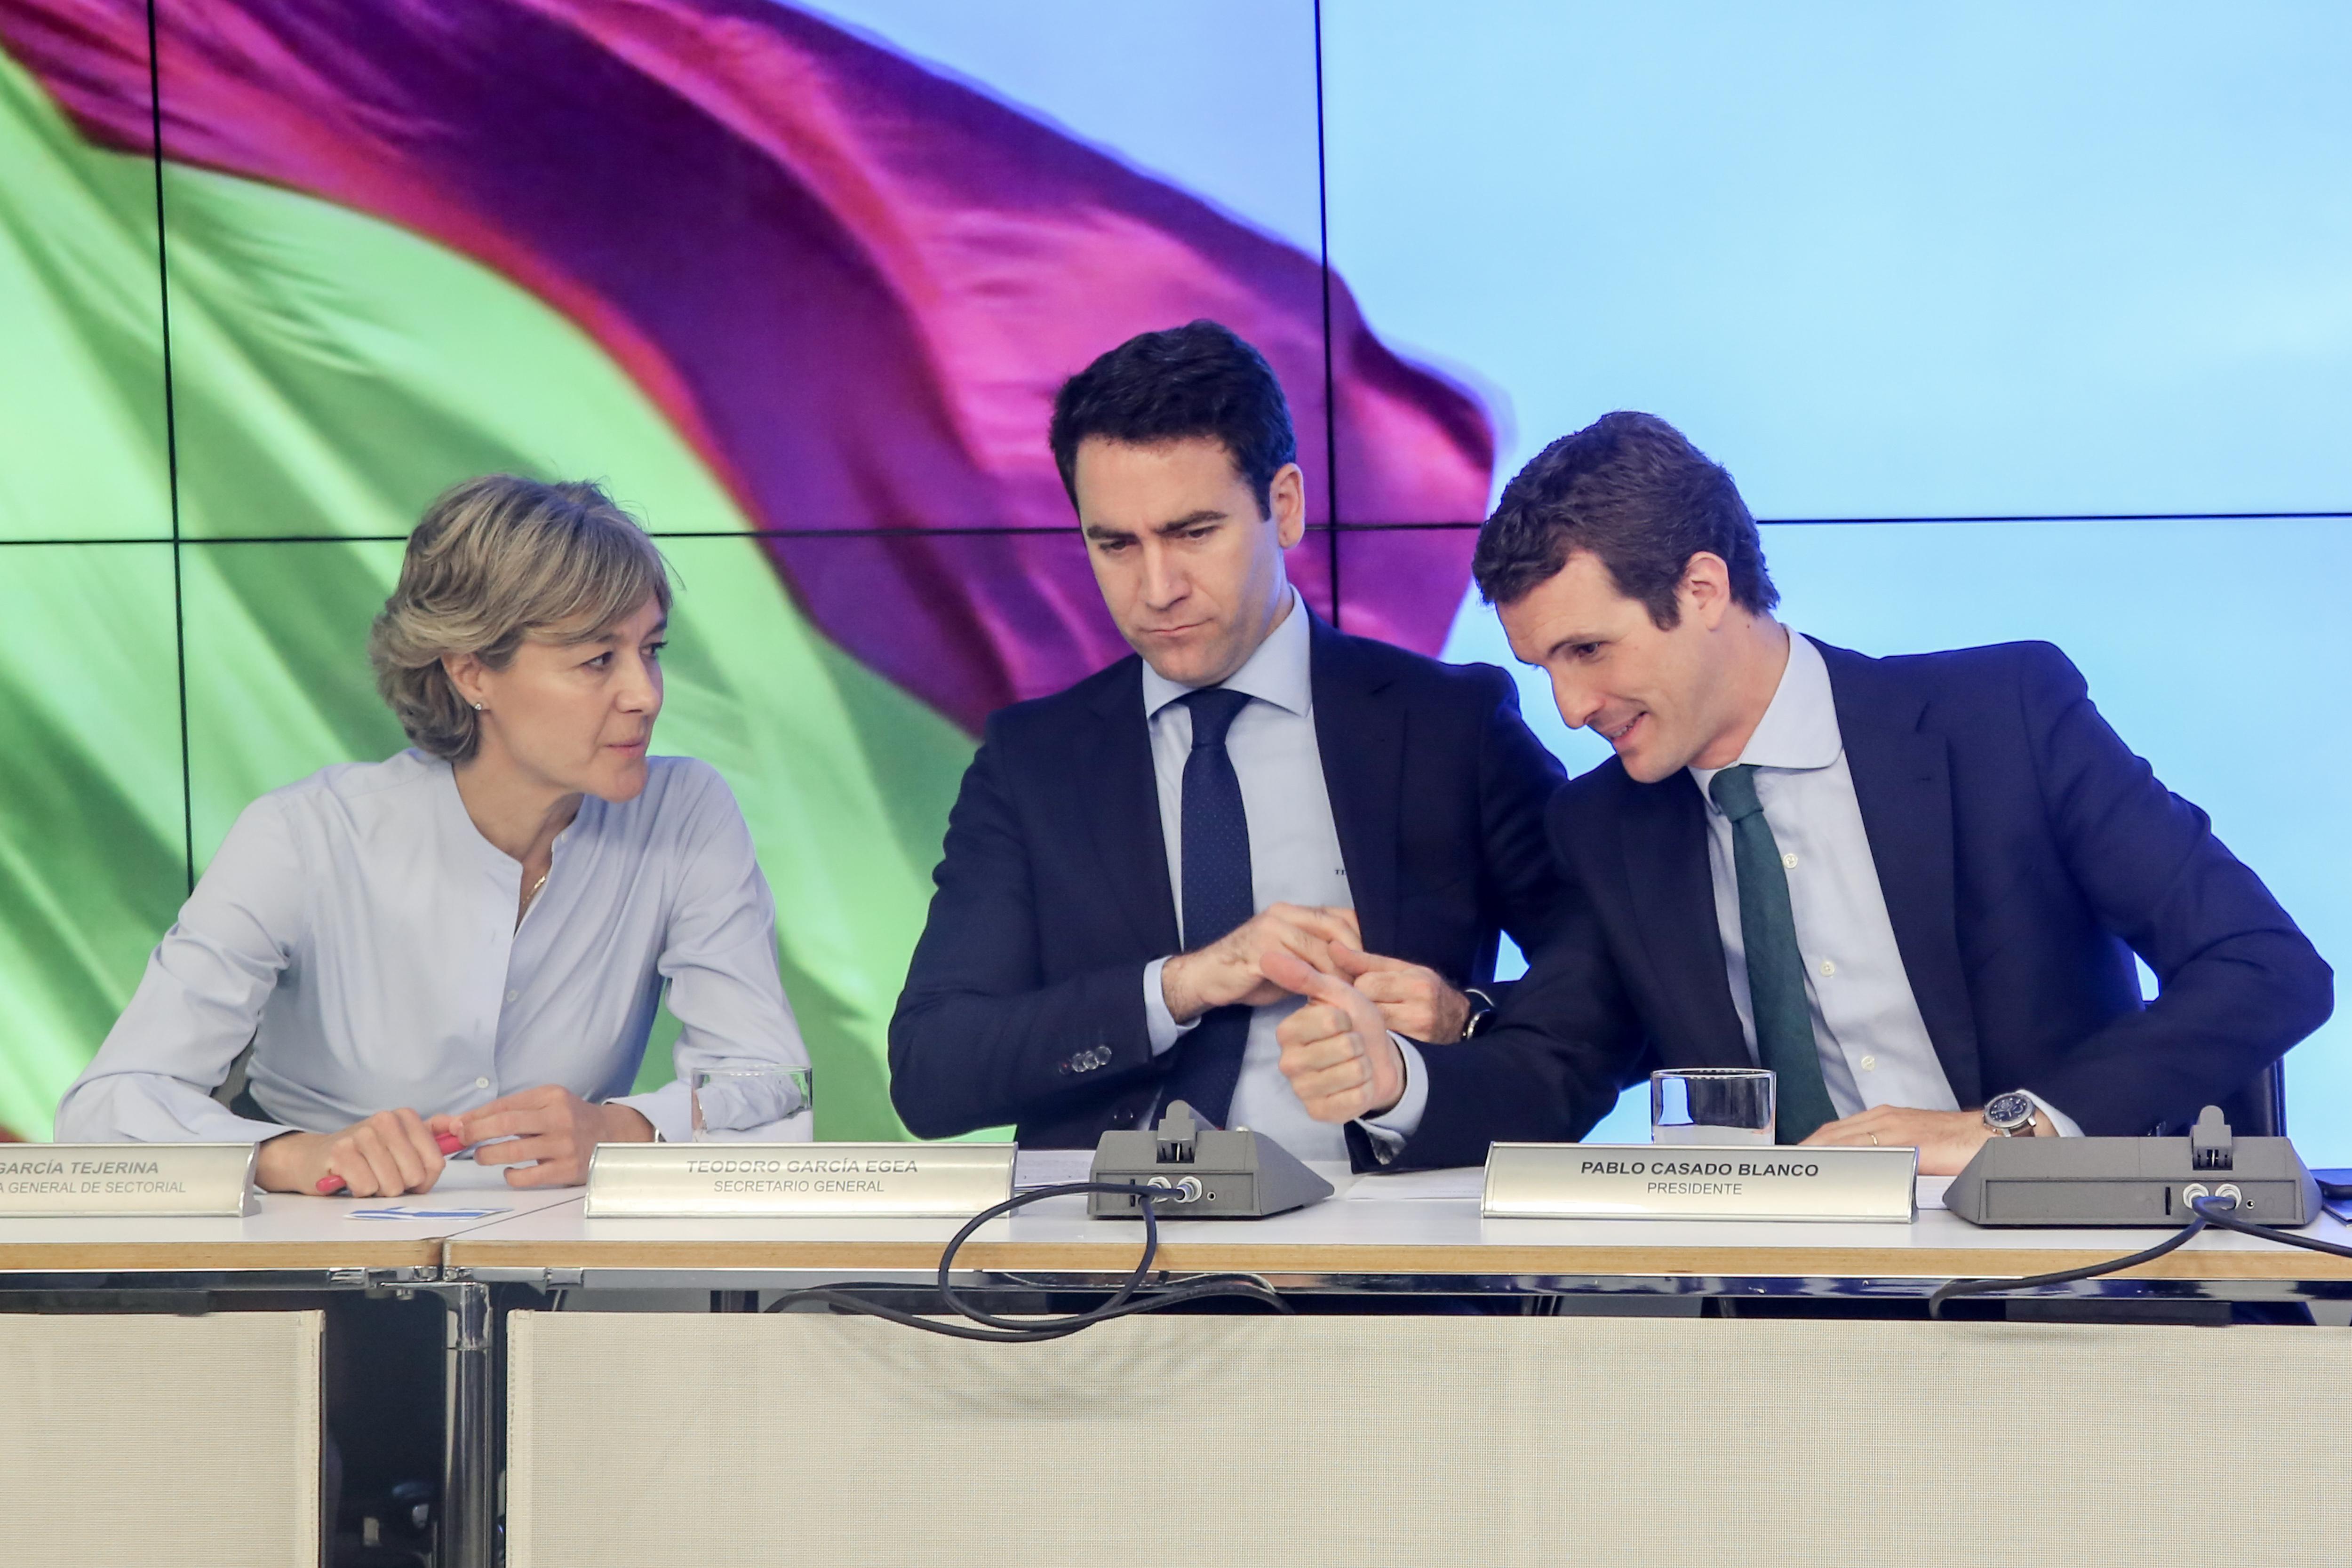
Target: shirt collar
1799	730
1280	672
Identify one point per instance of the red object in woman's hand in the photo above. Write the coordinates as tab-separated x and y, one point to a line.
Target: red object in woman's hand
450	1142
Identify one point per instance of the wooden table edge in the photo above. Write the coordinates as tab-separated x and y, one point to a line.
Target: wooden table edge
212	1257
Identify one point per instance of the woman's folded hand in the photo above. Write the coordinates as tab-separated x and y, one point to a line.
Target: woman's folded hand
391	1152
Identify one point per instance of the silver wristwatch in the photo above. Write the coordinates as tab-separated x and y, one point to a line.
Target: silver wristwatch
2012	1115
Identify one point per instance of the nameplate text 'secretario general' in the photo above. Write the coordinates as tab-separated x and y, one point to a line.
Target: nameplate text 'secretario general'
78	1181
1690	1181
714	1180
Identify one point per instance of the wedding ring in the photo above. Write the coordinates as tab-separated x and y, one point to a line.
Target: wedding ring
1873	1140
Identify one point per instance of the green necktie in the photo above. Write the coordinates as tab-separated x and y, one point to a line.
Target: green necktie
1776	970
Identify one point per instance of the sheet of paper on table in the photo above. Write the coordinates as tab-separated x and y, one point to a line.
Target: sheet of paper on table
424	1208
1460	1182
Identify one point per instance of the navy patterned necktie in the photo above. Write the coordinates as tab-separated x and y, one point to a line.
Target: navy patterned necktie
1776	969
1218	896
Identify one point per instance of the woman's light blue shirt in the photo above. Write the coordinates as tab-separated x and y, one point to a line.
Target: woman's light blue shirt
359	930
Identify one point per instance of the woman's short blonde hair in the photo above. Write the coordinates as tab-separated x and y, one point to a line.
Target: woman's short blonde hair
495	561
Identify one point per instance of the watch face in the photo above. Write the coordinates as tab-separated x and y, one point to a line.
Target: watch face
2009	1110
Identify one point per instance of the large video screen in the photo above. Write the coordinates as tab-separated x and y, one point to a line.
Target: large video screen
2019	323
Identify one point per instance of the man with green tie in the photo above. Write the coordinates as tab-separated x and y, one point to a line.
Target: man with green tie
1912	886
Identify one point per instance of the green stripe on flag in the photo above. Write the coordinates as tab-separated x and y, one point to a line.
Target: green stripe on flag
331	373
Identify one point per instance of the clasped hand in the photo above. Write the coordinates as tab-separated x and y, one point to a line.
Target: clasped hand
1336	1050
1414	1000
397	1152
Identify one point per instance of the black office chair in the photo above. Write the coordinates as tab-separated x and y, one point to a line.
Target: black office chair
2257	1110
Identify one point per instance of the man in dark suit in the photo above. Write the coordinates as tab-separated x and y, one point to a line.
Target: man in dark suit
1127	856
1911	886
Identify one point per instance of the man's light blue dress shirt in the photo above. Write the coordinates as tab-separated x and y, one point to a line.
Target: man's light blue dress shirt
359	930
1873	1044
1294	859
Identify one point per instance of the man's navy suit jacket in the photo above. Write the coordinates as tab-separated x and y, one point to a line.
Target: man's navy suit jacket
1024	1000
2025	854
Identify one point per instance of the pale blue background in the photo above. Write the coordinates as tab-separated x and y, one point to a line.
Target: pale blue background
1880	261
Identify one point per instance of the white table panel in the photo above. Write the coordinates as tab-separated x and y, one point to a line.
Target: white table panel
140	1439
716	1441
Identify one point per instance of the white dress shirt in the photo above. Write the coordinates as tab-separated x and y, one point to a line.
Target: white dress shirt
1294	859
359	930
1873	1044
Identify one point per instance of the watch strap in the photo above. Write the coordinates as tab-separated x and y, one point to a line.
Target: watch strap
1481	1007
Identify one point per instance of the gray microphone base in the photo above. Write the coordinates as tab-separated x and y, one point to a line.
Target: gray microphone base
1208	1173
2134	1181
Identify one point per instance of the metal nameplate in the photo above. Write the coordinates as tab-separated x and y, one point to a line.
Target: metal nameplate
709	1180
71	1181
1690	1181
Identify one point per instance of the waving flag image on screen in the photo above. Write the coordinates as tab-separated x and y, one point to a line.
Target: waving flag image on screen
800	301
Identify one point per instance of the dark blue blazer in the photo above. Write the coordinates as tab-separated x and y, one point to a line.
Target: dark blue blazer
2025	854
1024	999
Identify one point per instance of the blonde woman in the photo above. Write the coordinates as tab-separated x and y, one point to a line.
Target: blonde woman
467	942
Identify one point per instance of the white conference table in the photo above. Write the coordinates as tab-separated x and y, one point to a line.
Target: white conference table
318	1241
1428	1239
673	1374
1596	1428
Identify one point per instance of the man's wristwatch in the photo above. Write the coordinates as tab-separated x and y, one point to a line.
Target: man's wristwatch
1481	1007
2012	1115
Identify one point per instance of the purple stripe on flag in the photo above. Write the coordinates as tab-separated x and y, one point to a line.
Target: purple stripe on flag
852	284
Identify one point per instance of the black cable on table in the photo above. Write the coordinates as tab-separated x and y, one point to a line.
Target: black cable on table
2228	1220
2212	1209
2179	1238
995	1330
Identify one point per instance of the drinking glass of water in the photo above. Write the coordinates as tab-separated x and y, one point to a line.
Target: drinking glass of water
748	1105
1712	1105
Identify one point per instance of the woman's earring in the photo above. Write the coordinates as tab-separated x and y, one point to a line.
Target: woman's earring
477	707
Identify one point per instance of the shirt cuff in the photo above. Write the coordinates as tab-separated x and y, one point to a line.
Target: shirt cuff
245	1131
1389	1129
1158	1021
139	1109
669	1108
2067	1126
